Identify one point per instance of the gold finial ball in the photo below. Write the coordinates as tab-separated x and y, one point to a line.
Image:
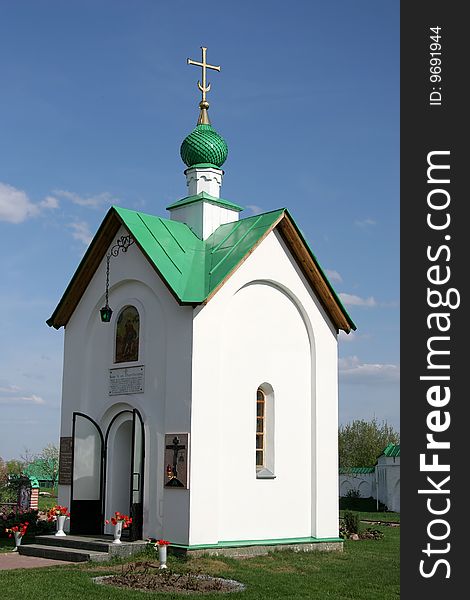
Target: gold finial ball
203	104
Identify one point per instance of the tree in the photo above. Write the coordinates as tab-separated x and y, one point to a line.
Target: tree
361	442
49	459
15	466
7	494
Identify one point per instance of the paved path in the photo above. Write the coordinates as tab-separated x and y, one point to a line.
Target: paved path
13	560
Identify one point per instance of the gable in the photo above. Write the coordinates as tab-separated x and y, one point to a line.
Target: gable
194	269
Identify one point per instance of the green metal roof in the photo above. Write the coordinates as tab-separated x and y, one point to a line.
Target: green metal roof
191	267
36	469
392	450
356	470
207	198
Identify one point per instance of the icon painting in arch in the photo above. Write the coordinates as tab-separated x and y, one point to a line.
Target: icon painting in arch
127	335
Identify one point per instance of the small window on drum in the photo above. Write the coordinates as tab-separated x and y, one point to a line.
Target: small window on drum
127	335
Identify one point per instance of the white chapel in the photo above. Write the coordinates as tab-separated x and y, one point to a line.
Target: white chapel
200	381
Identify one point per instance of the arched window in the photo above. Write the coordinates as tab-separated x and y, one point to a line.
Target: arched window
260	428
265	432
127	335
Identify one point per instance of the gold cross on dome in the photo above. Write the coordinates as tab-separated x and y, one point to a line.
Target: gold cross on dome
204	87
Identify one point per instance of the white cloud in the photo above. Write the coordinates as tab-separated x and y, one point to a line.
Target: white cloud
49	202
333	276
254	209
19	400
16	207
353	300
81	232
352	370
9	389
96	201
365	222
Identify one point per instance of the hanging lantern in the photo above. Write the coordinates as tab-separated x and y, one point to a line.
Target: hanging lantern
122	244
106	313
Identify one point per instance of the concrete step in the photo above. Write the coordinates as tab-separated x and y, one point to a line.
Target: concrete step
80	543
80	548
58	553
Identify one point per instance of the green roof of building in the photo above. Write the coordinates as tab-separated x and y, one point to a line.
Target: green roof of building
356	470
193	269
40	469
392	450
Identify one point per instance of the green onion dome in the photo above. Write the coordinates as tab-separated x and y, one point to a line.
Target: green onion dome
204	146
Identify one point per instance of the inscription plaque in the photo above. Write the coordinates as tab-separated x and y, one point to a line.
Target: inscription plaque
65	461
126	380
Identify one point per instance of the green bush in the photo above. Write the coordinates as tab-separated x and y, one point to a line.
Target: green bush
351	522
361	504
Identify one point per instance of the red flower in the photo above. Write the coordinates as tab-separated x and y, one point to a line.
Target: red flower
57	511
119	517
21	529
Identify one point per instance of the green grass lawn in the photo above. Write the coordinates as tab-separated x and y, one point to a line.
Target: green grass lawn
366	570
47	502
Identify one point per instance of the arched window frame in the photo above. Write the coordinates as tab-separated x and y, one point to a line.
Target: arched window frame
115	346
264	440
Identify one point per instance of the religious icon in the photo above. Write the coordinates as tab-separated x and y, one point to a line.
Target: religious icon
127	335
176	452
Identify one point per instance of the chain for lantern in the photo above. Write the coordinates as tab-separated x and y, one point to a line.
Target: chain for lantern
122	244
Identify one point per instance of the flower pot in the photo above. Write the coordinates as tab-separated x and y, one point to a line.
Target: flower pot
162	553
117	533
18	538
60	522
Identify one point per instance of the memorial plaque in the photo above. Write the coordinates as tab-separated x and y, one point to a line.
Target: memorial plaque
176	460
65	461
126	380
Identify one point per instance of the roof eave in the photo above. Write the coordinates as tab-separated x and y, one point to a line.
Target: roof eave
314	273
85	270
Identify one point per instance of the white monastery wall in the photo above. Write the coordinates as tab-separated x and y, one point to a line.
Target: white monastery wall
165	351
264	326
364	483
388	481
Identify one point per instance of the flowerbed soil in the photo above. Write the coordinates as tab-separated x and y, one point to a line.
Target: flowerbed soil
149	577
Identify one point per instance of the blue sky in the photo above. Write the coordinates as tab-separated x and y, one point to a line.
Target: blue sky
96	99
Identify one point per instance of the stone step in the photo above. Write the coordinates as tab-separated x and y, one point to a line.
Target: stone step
80	548
62	553
80	543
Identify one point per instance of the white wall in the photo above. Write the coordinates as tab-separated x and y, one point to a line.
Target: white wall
386	478
203	218
253	331
388	474
165	350
363	482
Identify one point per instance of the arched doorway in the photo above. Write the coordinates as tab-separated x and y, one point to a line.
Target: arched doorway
124	470
108	473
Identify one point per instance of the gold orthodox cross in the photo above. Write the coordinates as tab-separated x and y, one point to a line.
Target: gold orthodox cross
205	87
